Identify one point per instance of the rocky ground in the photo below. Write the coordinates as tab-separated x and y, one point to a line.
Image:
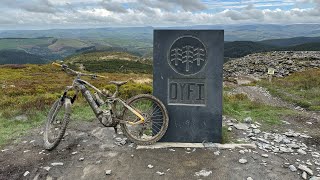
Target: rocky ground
90	151
284	63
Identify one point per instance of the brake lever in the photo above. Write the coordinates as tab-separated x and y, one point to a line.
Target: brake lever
94	76
64	66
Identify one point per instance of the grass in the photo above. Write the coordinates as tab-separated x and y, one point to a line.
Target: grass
31	89
112	62
11	128
82	112
239	106
301	88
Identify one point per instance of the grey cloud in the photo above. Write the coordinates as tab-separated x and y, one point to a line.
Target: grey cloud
113	6
38	6
145	4
188	5
148	12
171	5
245	14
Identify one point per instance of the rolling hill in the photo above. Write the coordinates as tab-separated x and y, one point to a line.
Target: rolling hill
121	62
20	57
291	41
242	48
315	46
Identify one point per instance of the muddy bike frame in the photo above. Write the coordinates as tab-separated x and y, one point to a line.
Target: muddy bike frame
80	85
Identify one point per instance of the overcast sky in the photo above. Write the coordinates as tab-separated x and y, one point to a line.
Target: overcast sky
46	14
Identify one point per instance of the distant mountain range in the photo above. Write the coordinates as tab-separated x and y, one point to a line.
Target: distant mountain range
257	32
48	45
241	48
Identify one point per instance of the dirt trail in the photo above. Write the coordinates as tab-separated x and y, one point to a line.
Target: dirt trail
89	150
100	154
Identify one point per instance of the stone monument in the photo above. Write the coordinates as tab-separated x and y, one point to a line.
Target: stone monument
187	78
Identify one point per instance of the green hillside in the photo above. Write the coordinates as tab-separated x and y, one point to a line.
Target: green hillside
20	57
291	41
241	48
121	62
21	43
304	47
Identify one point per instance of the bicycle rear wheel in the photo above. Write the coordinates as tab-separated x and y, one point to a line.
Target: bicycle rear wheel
57	121
156	120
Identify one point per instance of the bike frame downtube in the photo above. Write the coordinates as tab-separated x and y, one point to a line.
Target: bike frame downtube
133	111
88	96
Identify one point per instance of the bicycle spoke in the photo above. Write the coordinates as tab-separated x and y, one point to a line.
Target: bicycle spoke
154	122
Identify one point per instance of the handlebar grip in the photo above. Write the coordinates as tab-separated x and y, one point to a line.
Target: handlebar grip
102	76
56	64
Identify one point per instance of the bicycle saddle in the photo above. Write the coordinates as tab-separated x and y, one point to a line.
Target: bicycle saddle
118	83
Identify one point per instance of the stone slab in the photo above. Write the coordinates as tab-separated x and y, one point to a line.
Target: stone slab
187	78
163	145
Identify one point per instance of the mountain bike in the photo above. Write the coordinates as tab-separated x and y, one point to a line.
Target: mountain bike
142	118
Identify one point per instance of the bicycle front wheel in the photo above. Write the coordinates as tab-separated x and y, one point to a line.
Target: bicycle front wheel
57	121
155	124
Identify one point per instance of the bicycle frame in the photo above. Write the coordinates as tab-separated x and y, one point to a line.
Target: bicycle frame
80	85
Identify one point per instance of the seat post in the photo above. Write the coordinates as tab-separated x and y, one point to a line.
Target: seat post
117	91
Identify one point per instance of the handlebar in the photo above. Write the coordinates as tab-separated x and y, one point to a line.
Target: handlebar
66	68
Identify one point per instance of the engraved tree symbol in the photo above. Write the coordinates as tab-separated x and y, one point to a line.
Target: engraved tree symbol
187	56
199	54
176	54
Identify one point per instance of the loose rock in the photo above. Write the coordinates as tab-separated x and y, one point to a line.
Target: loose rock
292	168
217	153
108	172
265	155
203	173
241	126
47	168
160	173
248	120
304	175
26	173
306	169
300	151
243	161
57	164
